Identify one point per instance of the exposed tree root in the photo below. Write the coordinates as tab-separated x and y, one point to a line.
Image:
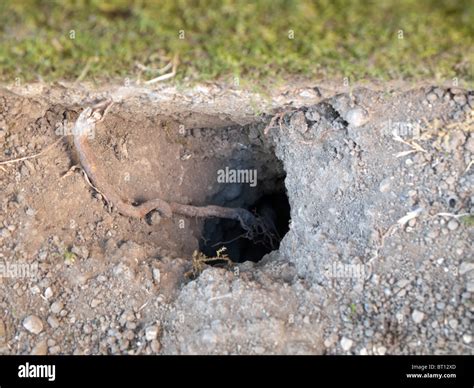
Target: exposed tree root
253	225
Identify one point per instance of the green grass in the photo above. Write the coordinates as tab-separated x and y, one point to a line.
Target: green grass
224	39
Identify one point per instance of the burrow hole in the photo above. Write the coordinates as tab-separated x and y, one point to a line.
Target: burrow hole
265	195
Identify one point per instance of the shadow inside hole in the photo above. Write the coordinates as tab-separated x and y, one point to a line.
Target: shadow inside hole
274	209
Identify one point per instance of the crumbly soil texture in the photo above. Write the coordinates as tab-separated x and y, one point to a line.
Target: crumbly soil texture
368	192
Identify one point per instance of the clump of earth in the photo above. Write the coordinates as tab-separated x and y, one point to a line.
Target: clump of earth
369	189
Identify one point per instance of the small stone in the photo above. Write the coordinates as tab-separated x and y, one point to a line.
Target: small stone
346	344
312	115
363	352
95	303
456	91
155	346
298	122
470	285
53	322
450	180
4	233
384	186
151	332
453	323
465	267
431	97
460	99
33	324
51	342
470	144
40	349
48	293
357	116
156	275
417	316
155	218
439	92
467	338
453	224
35	290
54	349
402	283
80	251
30	212
382	350
369	333
56	307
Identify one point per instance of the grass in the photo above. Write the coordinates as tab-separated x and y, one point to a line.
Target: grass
468	221
255	41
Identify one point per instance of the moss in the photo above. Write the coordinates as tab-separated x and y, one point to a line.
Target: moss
257	41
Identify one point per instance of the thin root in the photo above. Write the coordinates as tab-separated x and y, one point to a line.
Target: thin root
32	156
252	225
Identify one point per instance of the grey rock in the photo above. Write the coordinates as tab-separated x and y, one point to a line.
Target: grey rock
357	116
56	307
431	97
417	316
460	99
151	332
453	224
346	344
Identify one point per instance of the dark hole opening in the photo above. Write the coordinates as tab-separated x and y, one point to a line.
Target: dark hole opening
274	208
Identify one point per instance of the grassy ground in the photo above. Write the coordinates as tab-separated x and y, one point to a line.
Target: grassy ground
225	38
